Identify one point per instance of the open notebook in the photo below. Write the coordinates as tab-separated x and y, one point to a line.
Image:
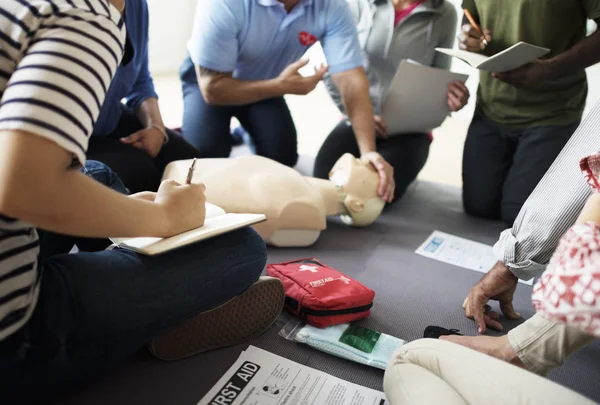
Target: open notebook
514	57
217	223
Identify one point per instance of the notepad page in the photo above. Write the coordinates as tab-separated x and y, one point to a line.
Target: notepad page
472	58
212	227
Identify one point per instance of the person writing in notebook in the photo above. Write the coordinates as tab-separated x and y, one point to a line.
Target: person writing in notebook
244	58
67	317
524	117
391	31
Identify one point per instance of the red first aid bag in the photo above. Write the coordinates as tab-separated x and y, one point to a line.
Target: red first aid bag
321	295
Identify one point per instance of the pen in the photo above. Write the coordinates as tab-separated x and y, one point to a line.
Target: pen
191	172
474	24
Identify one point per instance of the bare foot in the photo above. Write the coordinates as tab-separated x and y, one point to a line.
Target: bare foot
497	347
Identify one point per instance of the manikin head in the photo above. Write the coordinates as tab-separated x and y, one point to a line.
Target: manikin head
359	181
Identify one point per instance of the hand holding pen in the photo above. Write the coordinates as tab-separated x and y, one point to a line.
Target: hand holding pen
472	37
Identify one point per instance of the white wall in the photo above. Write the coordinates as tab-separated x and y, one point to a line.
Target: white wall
170	27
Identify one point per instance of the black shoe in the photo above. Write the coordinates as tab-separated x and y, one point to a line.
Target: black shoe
434	332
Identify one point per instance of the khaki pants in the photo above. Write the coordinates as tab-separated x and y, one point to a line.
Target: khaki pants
543	345
431	371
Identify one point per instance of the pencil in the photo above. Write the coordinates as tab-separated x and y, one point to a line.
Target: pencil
191	172
475	25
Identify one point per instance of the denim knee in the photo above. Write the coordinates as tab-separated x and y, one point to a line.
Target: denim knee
104	175
251	252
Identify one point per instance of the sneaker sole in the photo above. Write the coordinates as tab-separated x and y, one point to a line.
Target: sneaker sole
239	320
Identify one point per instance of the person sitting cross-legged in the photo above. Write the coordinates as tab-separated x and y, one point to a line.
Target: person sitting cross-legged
65	318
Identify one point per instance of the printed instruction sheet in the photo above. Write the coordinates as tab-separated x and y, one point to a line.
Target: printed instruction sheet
460	252
262	378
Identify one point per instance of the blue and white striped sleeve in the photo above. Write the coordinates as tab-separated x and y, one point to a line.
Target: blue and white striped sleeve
60	82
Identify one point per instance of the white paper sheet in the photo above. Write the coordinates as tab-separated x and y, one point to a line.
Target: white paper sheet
262	378
460	252
417	100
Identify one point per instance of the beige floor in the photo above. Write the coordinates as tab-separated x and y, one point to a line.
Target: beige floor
315	116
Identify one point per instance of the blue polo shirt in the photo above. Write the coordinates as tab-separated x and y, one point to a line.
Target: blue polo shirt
258	39
132	81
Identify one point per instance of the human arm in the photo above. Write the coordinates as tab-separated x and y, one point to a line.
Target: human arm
576	59
342	50
41	134
552	208
220	88
143	98
555	332
354	89
214	50
154	135
60	198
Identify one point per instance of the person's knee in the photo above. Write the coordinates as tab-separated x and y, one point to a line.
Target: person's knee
509	213
289	158
103	174
481	206
285	155
250	253
209	141
211	148
323	165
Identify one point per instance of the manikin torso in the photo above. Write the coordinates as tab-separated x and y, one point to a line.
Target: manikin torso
296	206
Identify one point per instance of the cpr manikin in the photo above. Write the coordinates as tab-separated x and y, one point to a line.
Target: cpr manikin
296	206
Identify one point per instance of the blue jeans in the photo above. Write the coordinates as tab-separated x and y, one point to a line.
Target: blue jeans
207	127
96	309
502	167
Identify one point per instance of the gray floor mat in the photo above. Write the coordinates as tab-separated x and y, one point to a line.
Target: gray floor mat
412	293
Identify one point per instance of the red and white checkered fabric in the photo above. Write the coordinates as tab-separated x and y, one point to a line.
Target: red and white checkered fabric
590	166
569	289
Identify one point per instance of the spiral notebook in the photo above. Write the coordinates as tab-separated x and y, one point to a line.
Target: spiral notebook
217	223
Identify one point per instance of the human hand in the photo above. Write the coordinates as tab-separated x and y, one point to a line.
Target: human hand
184	205
494	346
149	140
533	73
386	175
144	195
292	82
458	95
498	284
380	127
471	40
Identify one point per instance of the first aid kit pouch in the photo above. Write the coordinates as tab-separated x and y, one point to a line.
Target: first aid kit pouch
320	295
348	341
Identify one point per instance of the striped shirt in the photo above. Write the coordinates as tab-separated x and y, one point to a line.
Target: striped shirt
553	206
57	59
